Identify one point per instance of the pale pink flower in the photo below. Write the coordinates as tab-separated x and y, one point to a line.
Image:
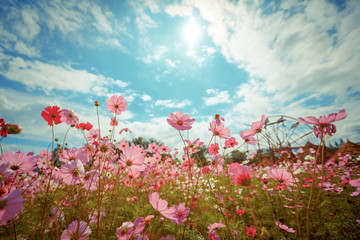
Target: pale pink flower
241	175
246	135
281	176
4	173
160	205
123	144
179	121
116	104
193	147
19	161
93	135
73	154
324	124
10	206
72	171
218	119
76	231
152	147
133	157
284	227
256	127
125	231
69	116
163	149
180	213
219	130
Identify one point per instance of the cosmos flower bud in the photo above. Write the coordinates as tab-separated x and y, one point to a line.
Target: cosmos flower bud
14	128
97	103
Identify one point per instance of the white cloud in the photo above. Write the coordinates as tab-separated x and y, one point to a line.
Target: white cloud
172	104
146	98
29	51
217	98
157	55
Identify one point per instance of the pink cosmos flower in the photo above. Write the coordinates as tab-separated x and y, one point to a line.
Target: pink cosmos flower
256	127
160	205
168	237
246	135
93	135
84	126
324	124
19	161
214	226
125	130
113	122
281	176
219	130
125	231
163	149
179	213
133	157
76	231
72	171
73	154
179	121
51	114
10	206
214	148
69	116
4	173
141	222
218	119
240	212
152	147
250	231
241	175
284	227
116	104
193	147
123	144
231	142
213	236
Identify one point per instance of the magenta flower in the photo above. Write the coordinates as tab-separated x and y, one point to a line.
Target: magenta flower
219	130
213	236
324	124
125	231
76	231
160	205
250	231
241	175
180	213
179	121
284	227
116	104
69	116
133	157
19	161
72	171
10	206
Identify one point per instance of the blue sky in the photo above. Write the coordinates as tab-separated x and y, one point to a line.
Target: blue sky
240	59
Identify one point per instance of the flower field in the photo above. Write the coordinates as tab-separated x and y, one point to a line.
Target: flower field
120	190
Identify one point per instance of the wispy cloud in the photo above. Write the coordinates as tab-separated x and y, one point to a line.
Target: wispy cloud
216	97
172	103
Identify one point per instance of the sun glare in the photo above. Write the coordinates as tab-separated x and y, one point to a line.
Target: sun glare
192	33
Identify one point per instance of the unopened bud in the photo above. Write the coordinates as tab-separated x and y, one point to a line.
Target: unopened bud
97	103
14	128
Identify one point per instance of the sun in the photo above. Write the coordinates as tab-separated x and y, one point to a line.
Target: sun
192	33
